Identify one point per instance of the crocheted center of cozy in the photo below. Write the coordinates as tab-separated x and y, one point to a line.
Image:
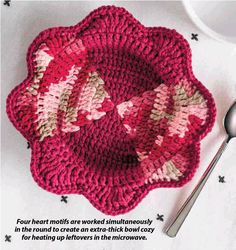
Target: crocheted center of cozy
111	115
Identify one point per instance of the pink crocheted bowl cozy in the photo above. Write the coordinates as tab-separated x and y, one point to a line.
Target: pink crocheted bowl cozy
111	110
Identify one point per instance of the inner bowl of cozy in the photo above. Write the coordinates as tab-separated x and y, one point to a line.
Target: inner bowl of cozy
111	109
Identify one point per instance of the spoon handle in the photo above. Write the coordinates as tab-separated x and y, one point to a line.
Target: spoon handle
174	227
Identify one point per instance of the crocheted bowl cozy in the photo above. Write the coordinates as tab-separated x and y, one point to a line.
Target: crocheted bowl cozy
111	110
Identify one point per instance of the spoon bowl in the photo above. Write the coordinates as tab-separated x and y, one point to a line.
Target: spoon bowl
230	121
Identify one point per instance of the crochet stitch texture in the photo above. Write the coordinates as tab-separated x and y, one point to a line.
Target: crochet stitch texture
111	110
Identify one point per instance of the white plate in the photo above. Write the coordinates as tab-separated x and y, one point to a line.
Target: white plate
215	18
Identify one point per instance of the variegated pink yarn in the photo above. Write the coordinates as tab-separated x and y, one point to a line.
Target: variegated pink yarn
111	109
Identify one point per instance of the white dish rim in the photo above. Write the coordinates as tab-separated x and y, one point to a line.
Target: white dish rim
208	31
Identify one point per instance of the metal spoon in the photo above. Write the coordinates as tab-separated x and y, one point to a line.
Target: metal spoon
230	128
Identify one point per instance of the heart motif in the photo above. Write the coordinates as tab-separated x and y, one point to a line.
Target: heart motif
111	109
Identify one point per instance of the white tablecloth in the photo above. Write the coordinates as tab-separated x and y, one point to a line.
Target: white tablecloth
211	223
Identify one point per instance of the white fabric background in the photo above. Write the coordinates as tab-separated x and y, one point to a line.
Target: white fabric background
211	223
